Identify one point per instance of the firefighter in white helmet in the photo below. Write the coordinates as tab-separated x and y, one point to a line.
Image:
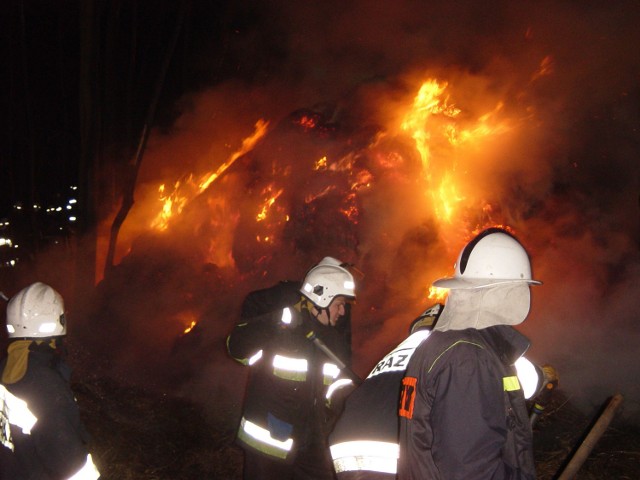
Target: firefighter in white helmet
462	408
45	438
364	441
295	338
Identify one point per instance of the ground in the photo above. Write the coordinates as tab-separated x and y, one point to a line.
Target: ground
142	435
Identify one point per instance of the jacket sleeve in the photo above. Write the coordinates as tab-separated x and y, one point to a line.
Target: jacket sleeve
469	418
251	336
59	435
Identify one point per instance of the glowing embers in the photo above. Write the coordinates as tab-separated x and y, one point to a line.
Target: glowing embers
190	327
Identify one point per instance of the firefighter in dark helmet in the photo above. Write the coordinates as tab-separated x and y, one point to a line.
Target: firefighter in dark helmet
290	402
45	438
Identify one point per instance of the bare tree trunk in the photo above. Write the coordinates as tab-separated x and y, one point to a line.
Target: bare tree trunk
136	161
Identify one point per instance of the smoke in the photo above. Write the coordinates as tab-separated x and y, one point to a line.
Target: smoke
547	145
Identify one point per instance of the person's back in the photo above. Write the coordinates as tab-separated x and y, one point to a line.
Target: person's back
35	373
364	442
462	408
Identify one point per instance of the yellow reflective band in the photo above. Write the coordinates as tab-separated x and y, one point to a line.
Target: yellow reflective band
261	439
290	368
510	384
88	472
365	455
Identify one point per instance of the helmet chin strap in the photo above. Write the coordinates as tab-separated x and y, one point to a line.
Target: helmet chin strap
319	311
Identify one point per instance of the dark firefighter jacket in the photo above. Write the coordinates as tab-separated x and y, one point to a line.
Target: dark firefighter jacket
462	411
364	442
286	404
56	447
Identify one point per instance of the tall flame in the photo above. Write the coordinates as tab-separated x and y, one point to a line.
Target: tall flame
174	202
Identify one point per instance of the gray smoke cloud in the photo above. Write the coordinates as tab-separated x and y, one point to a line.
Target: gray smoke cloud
566	180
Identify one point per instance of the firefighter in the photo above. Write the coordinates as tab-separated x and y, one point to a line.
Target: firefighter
462	409
364	442
296	353
45	438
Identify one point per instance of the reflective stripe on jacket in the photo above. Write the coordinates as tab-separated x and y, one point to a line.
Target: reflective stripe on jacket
365	437
290	385
56	447
462	411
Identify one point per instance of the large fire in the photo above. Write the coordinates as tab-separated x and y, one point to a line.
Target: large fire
331	193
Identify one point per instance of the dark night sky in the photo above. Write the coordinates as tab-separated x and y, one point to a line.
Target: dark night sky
328	50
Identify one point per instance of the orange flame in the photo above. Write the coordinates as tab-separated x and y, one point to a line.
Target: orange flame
429	104
437	294
190	327
173	203
268	203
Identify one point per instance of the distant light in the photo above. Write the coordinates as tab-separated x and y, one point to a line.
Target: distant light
73	187
73	200
58	209
5	241
72	219
69	207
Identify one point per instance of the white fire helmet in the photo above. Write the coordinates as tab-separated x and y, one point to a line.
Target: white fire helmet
36	311
327	280
494	257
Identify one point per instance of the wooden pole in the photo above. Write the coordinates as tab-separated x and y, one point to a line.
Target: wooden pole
130	182
591	439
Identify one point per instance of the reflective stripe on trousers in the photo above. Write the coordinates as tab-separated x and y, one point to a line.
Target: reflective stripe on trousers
261	439
365	455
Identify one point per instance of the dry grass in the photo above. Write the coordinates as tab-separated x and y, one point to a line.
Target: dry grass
139	435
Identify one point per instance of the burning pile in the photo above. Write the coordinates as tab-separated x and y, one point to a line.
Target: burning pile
395	181
395	191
